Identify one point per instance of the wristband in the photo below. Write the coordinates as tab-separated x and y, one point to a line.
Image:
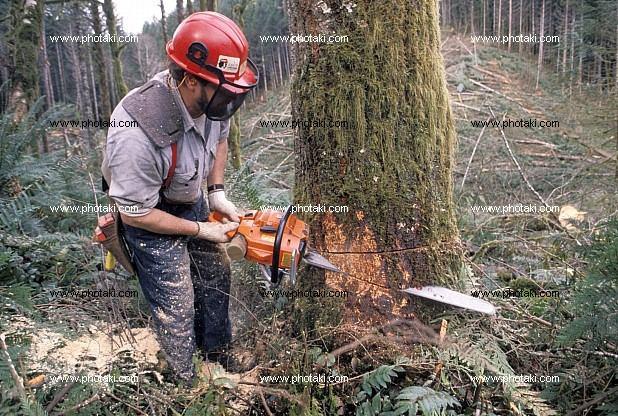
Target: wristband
198	229
215	187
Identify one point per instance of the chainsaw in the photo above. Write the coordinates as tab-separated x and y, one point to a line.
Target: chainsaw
278	242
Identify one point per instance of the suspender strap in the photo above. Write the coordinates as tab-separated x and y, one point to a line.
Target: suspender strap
170	172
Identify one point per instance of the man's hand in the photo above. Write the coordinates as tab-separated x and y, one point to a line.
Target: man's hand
218	202
215	231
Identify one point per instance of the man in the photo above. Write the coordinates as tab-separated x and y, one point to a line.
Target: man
155	172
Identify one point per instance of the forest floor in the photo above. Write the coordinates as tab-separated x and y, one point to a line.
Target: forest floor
572	167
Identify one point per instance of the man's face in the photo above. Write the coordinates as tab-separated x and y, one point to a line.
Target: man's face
205	92
199	94
217	102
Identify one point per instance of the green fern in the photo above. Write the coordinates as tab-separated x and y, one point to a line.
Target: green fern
379	395
595	303
429	402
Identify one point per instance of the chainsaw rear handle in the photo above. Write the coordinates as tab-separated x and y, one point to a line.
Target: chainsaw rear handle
216	216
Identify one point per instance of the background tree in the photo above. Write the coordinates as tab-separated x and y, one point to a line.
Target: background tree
392	167
179	11
116	49
234	137
163	22
23	48
99	59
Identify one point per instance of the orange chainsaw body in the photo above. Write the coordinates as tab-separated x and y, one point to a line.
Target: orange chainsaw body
259	228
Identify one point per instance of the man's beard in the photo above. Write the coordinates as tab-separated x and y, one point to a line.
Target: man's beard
203	101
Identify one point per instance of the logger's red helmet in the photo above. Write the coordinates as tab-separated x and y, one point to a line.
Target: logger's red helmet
212	47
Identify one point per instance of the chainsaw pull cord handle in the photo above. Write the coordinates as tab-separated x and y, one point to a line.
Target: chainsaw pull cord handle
274	268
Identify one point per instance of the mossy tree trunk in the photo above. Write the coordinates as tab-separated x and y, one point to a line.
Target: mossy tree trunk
392	168
234	138
23	43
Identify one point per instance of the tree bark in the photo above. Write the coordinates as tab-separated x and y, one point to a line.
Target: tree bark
24	41
90	72
116	49
163	22
179	11
510	22
472	17
263	74
539	66
572	64
203	6
392	168
59	59
499	17
211	5
484	17
189	8
566	37
521	30
616	75
234	138
77	78
494	23
99	59
47	83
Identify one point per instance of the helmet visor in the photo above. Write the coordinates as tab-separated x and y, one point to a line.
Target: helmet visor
228	96
224	103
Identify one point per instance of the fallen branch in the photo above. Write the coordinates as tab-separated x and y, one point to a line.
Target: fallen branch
263	399
94	398
492	74
471	108
597	399
275	392
485	87
463	181
59	396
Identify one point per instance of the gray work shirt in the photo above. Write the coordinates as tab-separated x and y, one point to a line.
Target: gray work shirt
135	168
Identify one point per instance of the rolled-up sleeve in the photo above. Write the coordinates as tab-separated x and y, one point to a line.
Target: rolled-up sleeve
135	168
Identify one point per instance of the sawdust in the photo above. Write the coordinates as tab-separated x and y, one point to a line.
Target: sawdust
92	353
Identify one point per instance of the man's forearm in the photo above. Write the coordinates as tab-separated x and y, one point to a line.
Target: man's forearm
218	169
161	222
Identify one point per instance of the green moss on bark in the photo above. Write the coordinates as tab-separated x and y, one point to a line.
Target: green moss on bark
394	165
